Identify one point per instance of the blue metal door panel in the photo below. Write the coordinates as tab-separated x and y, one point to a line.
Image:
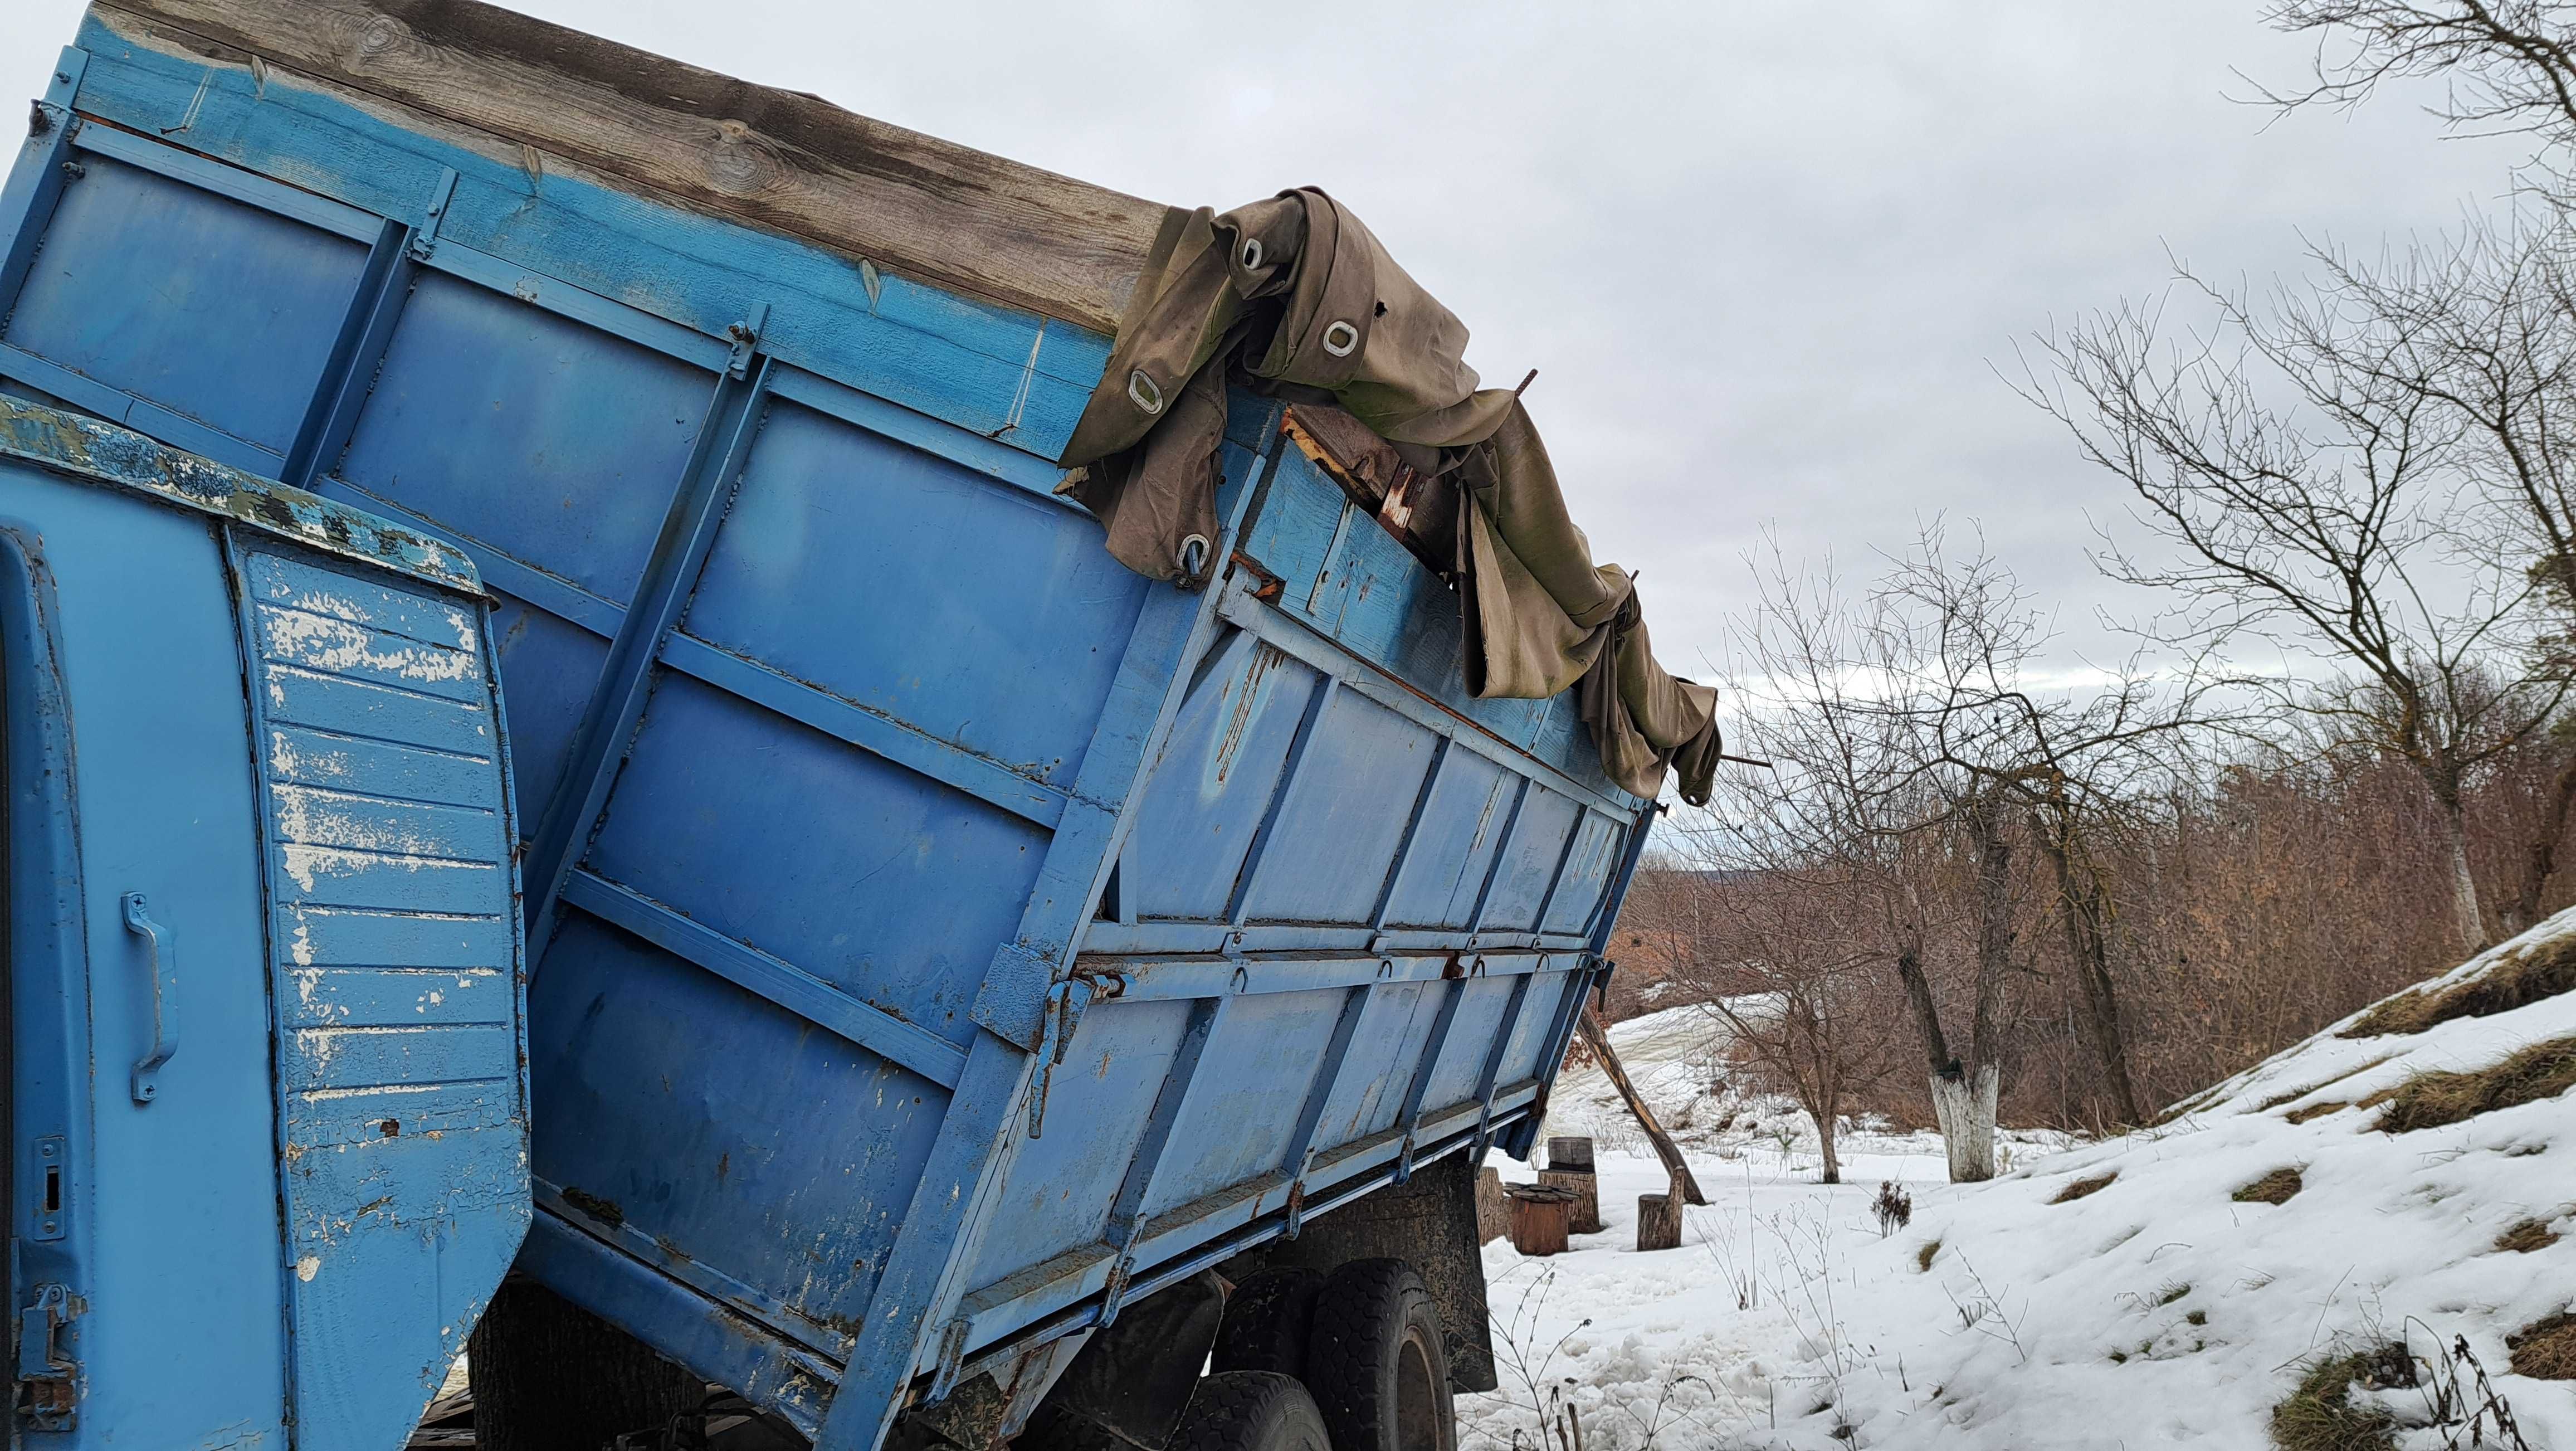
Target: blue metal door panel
544	441
151	665
1525	1057
665	1130
1058	1194
872	570
1391	1033
1479	1018
402	1135
1336	835
1237	1124
1460	831
1529	864
217	311
1210	791
1587	873
869	876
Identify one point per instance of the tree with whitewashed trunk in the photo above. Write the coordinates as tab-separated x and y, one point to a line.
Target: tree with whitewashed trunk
1924	784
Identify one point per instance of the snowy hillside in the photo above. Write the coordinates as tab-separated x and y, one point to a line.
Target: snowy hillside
2183	1285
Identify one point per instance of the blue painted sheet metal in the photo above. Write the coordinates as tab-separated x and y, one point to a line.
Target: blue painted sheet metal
402	1124
887	818
346	1064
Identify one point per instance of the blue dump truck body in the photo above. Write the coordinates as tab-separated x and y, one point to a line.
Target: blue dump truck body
938	936
268	1140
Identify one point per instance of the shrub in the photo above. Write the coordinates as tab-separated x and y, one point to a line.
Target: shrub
2436	1097
1893	1206
2081	1187
2545	1349
2521	978
2273	1188
2526	1236
2320	1416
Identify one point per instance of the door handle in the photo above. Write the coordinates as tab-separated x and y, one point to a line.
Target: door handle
164	966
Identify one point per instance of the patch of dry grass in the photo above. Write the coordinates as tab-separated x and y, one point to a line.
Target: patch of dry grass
2525	1236
2273	1188
2545	1349
1923	1256
2081	1187
2521	978
2315	1110
2437	1096
2320	1416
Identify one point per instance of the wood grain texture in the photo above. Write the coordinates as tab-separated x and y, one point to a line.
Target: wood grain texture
790	162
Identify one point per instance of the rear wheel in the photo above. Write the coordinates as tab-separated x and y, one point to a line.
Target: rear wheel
1268	1319
1251	1410
1377	1363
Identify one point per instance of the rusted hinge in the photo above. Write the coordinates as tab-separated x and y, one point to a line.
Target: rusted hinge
48	1378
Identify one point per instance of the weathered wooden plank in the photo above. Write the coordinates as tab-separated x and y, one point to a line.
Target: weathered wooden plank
795	163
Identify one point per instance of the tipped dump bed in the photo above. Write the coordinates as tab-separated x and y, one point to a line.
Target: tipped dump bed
939	934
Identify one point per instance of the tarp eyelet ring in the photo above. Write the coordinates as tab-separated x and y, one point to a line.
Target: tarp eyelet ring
1144	392
1251	254
1194	556
1340	338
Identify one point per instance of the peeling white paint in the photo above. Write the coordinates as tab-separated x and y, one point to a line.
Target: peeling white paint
307	1267
319	642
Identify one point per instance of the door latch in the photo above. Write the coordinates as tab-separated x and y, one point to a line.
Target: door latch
48	1378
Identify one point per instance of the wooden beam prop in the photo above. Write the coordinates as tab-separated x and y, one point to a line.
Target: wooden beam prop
1665	1148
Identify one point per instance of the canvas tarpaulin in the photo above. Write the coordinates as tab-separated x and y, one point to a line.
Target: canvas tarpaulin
1296	294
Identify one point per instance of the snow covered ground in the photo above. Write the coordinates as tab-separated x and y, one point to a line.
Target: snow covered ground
2156	1309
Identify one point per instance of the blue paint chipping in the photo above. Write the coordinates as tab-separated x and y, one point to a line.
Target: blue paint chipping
831	726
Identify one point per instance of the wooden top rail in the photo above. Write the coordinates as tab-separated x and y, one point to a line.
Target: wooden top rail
783	160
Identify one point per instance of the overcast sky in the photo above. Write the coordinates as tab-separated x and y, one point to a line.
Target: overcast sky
1767	258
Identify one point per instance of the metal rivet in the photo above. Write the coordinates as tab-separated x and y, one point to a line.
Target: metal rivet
1340	338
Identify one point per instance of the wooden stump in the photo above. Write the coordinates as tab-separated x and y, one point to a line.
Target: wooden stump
1585	1217
1493	1210
1659	1221
1539	1215
1569	1166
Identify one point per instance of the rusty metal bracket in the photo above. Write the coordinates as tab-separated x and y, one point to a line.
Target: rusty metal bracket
1066	1002
952	1356
48	1380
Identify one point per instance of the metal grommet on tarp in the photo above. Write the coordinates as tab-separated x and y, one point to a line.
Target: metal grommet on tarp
1144	392
1340	338
1249	259
1194	556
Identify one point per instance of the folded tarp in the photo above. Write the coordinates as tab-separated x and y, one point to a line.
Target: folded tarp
1294	292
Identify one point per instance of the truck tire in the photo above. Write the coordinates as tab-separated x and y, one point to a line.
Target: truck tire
1251	1410
1377	1363
1267	1321
550	1376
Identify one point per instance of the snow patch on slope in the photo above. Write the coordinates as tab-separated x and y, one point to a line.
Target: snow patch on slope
2157	1309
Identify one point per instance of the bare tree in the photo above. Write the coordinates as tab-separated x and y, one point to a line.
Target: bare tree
1780	964
2509	65
2345	522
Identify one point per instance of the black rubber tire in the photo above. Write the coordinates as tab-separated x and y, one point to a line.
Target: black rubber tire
1267	1321
1378	1363
1251	1410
